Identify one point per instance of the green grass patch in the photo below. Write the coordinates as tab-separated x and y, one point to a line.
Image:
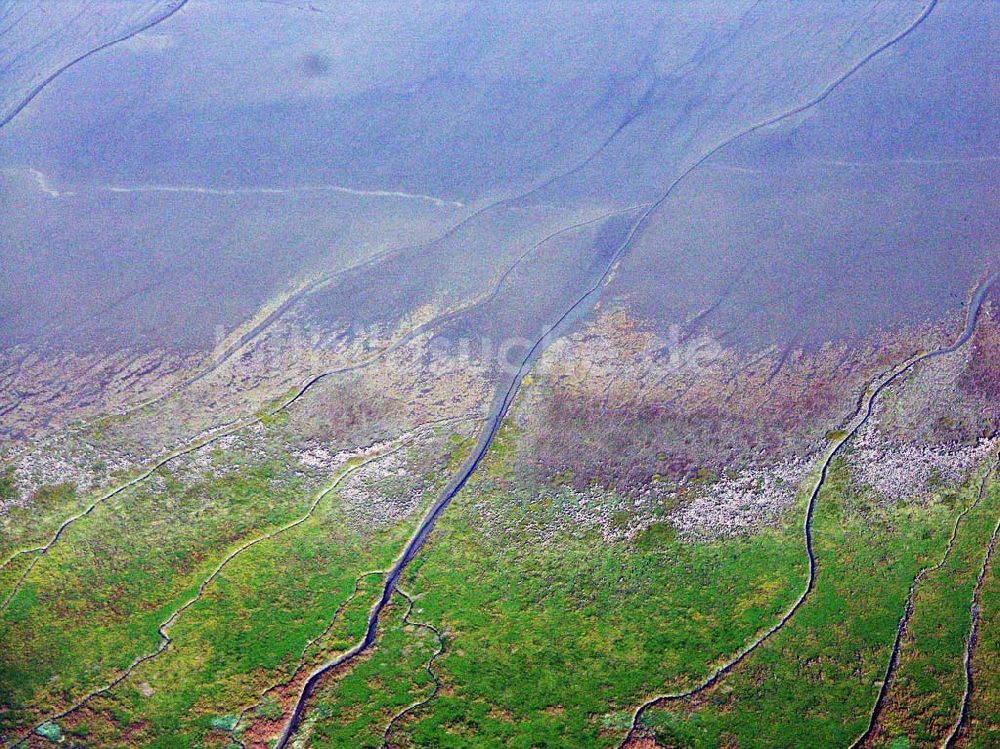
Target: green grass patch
924	700
93	603
983	729
552	643
815	682
34	524
100	599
